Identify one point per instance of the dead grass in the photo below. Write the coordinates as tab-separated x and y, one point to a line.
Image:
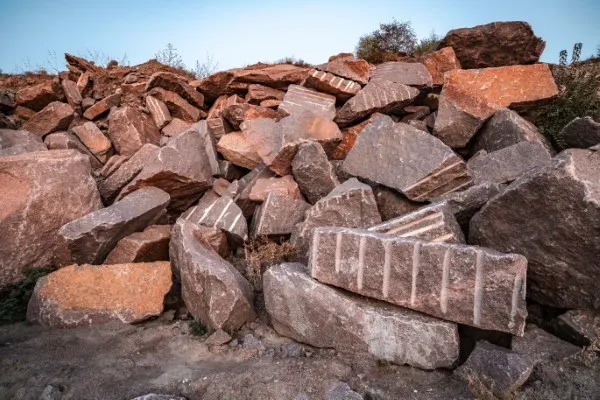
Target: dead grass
261	254
478	389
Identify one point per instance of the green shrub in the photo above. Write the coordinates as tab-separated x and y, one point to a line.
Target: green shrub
390	39
197	328
13	301
426	45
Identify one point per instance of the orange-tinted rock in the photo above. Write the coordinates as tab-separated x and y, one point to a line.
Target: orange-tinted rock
470	97
356	70
103	106
271	103
176	127
342	89
159	111
152	244
285	186
278	76
300	99
177	105
90	294
349	138
24	113
221	104
71	93
129	129
37	97
439	62
67	140
94	140
216	238
214	85
238	113
54	117
178	85
259	93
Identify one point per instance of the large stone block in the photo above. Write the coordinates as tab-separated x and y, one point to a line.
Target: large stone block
129	129
55	117
14	142
410	74
299	99
342	89
152	244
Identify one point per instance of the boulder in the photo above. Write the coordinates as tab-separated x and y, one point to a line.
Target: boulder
56	116
212	289
259	93
129	129
176	127
37	97
439	62
581	327
176	84
67	140
539	346
14	142
40	192
72	94
342	89
7	100
278	76
406	159
349	138
220	213
300	99
159	111
321	316
90	238
349	68
94	140
152	244
103	106
464	284
392	204
581	133
241	148
215	237
350	204
178	107
495	45
284	185
551	215
377	96
465	204
238	113
313	172
470	97
80	295
278	215
410	74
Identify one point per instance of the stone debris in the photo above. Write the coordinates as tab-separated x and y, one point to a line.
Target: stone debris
159	111
278	215
178	107
301	99
175	127
349	68
313	172
129	129
152	244
14	142
72	94
581	133
66	141
103	106
468	285
579	326
410	74
93	138
342	89
259	93
284	185
392	204
176	84
55	117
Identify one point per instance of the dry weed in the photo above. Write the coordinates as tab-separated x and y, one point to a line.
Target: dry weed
261	254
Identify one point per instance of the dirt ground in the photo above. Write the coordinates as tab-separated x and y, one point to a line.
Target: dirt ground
117	361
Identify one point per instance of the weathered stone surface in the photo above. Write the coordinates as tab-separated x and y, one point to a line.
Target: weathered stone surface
299	99
90	238
466	203
470	97
507	128
500	370
16	142
56	116
581	133
159	111
129	129
178	107
507	164
9	122
495	45
153	396
176	127
230	171
103	106
152	244
435	223
84	82
313	313
415	113
7	100
39	193
245	186
221	103
259	93
182	168
342	391
241	148
67	140
176	84
469	285
278	215
90	294
579	326
271	103
407	159
71	93
376	96
94	140
278	76
392	204
219	338
420	125
313	172
349	138
212	289
342	89
221	213
539	346
215	237
350	204
439	62
285	185
356	70
410	74
216	127
238	113
551	216
37	97
87	102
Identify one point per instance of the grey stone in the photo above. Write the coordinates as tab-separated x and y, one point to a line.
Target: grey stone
466	203
218	338
539	346
278	215
410	74
51	393
221	213
153	396
249	341
16	142
392	204
300	99
313	172
341	391
581	327
581	133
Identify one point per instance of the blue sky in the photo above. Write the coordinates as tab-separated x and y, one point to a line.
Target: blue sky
236	32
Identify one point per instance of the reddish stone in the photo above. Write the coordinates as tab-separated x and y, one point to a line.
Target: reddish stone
37	97
349	138
103	106
178	85
238	113
94	140
159	111
300	99
129	129
152	244
24	113
54	117
285	186
259	93
176	127
215	237
342	89
410	74
222	103
356	70
271	103
71	93
177	105
439	62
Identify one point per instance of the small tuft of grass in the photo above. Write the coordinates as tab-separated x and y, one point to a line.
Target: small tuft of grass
197	328
478	389
261	254
14	300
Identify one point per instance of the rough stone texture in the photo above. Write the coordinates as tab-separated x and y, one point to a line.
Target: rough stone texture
109	188
435	223
350	204
342	89
67	140
392	204
218	338
299	99
278	215
507	164
71	93
539	346
581	133
410	74
285	185
55	117
153	396
215	237
241	148
470	97
37	97
439	62
129	129
94	140
159	111
376	96
230	171
552	217
245	186
178	85
216	110
14	142
495	45
342	391
313	172
178	107
216	128
407	159
349	138
221	213
465	204
259	93
356	70
175	127
497	368
212	289
507	128
465	284
152	244
103	106
278	76
90	238
579	326
40	192
182	168
7	100
271	103
90	294
313	313
238	113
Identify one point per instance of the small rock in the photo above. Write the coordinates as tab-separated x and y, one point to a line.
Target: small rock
540	346
342	89
259	93
178	85
159	111
94	140
278	215
313	172
581	327
238	113
221	213
341	391
129	129
51	393
103	106
581	133
249	341
175	127
55	117
152	244
218	338
178	107
392	204
37	97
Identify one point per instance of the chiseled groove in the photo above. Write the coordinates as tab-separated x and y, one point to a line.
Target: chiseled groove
229	203
413	223
416	265
445	281
517	290
386	268
338	251
431	176
361	262
479	283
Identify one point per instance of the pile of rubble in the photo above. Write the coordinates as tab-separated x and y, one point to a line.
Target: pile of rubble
418	188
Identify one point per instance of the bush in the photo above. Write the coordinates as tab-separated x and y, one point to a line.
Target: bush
293	61
197	328
579	88
426	45
262	254
391	38
13	301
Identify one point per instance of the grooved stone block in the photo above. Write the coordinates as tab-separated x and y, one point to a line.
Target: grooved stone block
299	98
464	284
411	74
342	89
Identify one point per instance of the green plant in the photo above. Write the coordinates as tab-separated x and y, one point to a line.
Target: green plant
14	300
197	328
391	38
293	61
426	45
579	88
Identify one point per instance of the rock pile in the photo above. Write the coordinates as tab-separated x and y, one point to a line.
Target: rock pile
420	185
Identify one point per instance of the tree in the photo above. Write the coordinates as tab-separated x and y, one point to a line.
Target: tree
170	57
426	45
391	38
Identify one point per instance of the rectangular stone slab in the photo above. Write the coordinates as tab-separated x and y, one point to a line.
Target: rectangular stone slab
465	284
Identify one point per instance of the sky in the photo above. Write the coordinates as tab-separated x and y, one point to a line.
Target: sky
235	33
